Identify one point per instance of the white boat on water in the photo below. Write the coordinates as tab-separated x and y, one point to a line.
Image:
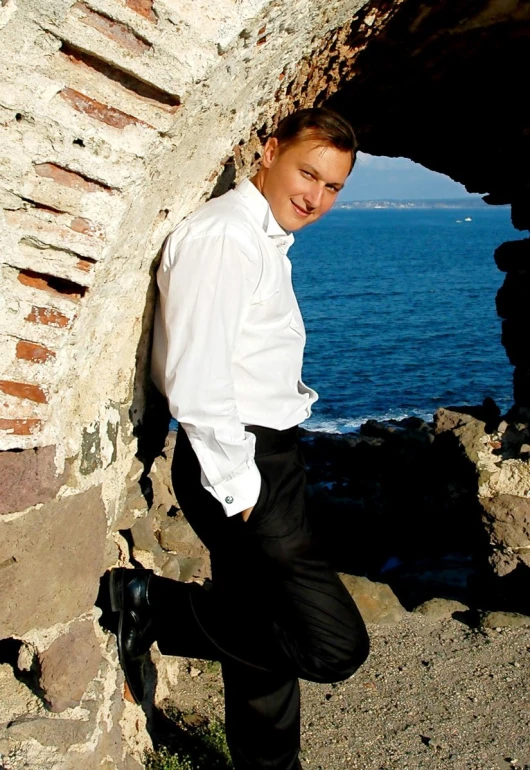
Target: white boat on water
468	219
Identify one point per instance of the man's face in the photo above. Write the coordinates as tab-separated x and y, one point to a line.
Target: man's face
301	180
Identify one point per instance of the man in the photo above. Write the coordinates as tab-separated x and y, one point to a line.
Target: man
228	349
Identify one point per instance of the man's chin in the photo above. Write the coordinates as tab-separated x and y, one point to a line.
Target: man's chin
294	223
297	226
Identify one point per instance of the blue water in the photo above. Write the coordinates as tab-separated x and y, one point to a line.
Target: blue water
399	308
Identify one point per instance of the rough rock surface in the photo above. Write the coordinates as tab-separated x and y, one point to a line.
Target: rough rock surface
440	609
16	700
161	538
69	664
28	478
504	620
507	520
52	561
104	730
496	449
377	602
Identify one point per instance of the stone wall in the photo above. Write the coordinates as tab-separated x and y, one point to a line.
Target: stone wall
117	117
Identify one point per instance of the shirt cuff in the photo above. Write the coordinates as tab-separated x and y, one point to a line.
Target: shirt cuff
240	492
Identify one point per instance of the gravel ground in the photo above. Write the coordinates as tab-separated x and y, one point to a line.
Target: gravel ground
432	695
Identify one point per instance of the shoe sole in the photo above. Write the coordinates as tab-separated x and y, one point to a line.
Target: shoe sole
116	604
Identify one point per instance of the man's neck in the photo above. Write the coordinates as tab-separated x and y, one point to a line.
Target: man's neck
257	181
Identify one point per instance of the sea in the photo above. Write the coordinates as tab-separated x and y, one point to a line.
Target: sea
399	309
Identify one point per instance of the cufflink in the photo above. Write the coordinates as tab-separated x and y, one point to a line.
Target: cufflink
229	499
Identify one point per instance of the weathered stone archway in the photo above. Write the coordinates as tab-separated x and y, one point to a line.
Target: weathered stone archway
117	118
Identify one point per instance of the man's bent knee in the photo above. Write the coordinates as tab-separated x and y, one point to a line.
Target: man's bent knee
337	664
357	657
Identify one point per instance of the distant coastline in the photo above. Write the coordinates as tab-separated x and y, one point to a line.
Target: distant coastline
440	203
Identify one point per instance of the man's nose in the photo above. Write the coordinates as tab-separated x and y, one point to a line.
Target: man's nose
313	197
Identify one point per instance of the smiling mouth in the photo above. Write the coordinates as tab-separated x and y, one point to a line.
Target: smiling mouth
301	212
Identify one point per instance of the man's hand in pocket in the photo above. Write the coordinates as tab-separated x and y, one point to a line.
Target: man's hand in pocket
246	513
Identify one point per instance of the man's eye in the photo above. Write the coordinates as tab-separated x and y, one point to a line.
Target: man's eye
308	174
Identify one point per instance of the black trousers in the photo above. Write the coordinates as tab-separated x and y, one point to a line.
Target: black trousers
275	611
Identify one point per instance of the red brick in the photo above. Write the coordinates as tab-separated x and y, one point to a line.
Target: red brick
69	178
56	286
47	316
20	427
114	30
85	265
143	7
33	281
109	115
30	351
23	390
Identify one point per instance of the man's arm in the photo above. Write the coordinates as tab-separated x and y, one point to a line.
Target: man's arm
206	286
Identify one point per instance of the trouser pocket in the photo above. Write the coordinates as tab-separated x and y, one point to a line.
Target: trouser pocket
281	498
261	502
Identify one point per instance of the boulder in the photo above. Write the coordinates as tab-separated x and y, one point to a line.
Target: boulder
468	428
143	535
198	567
440	609
507	521
504	620
174	532
377	602
171	567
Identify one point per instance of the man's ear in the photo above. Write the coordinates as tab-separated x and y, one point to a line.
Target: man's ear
270	151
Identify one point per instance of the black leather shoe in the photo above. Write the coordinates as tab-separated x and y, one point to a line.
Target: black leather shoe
129	596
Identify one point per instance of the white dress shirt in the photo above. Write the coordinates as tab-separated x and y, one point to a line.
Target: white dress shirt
229	338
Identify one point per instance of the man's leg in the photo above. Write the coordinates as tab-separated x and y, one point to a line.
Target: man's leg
262	719
275	611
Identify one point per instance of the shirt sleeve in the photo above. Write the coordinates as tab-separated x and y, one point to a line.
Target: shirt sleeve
206	285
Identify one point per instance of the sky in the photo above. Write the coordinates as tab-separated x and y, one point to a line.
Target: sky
381	178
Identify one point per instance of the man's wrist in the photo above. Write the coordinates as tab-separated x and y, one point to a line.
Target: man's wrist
239	493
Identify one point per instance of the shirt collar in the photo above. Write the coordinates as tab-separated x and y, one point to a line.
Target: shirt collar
261	210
